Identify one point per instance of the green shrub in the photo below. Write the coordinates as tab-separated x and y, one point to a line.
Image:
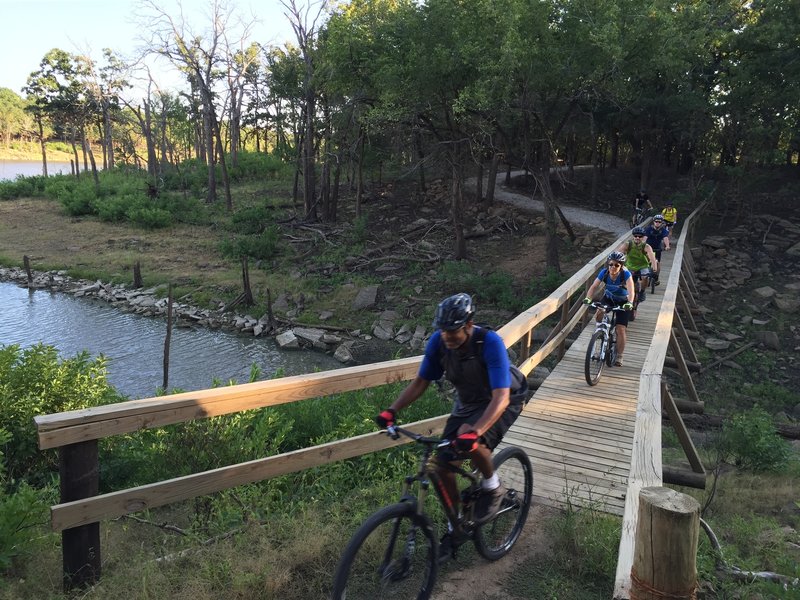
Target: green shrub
149	217
264	246
750	440
115	208
78	200
35	381
251	220
257	165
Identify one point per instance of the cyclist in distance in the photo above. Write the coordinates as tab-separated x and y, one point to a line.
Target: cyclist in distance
483	410
670	214
619	292
641	259
640	202
657	234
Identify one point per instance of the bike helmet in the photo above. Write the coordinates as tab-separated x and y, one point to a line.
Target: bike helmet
454	312
638	231
617	256
658	217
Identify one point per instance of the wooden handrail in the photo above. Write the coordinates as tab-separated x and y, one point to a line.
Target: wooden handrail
646	466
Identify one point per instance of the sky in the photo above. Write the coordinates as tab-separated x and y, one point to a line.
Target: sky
33	27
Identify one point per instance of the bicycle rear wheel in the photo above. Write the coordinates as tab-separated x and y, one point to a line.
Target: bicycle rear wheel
495	539
392	555
595	355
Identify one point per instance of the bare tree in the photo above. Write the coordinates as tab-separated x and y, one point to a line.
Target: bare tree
304	24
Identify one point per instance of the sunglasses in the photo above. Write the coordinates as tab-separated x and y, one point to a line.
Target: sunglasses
614	264
638	237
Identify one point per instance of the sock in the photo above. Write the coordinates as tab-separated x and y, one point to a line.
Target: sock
492	483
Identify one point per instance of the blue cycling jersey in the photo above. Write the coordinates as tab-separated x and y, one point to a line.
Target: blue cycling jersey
616	289
656	236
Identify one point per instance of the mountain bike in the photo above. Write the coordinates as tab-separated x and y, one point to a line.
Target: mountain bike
602	348
395	552
639	216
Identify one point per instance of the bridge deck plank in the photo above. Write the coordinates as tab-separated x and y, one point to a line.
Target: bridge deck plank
579	437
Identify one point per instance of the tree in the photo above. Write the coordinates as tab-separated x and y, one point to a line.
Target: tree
13	119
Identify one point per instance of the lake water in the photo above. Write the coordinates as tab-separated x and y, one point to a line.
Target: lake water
135	344
11	169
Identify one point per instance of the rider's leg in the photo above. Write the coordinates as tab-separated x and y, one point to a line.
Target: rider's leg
622	333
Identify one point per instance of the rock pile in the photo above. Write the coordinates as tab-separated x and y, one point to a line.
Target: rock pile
152	302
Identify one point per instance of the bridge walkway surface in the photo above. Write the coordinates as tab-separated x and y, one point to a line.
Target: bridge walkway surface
580	437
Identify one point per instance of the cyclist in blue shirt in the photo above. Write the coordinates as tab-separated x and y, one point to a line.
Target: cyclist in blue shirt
619	292
484	408
657	237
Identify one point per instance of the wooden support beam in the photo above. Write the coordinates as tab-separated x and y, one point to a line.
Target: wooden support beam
687	294
685	336
689	407
684	477
683	369
561	325
668	404
694	367
686	310
79	472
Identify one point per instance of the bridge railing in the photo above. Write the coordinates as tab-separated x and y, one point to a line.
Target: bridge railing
646	465
76	433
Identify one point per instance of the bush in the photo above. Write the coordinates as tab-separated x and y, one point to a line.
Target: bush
149	217
252	220
35	381
750	440
260	247
257	165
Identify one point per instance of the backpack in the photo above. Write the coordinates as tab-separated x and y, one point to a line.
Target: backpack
519	392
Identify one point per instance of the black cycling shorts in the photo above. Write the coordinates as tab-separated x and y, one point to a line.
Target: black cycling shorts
621	315
490	439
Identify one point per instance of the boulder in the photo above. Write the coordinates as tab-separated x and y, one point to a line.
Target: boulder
366	297
769	339
794	250
343	354
287	340
383	330
312	335
717	344
765	293
787	303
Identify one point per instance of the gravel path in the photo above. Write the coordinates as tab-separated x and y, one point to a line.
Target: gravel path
573	214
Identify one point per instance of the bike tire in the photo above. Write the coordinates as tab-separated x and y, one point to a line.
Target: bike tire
493	540
593	366
611	350
653	284
393	554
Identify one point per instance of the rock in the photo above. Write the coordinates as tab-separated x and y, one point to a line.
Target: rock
715	242
343	354
366	297
717	344
257	330
281	303
287	340
760	321
794	250
731	337
389	315
418	339
403	335
769	339
383	330
312	335
325	315
787	303
765	292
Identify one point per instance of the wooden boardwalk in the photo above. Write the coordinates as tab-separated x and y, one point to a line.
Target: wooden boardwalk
580	438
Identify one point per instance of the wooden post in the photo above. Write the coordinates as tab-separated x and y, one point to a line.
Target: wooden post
27	262
137	275
665	552
687	293
561	325
167	339
686	310
688	343
79	470
668	404
247	293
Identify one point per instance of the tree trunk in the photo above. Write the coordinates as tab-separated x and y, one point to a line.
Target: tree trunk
42	144
542	175
491	182
87	149
457	208
360	175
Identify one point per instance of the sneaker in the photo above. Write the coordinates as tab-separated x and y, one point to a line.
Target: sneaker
618	361
488	504
658	282
642	296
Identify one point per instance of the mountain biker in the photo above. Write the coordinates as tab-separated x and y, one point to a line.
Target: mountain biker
483	410
640	201
657	234
670	214
641	259
619	291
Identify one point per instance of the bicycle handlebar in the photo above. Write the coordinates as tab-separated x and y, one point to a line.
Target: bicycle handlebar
394	431
606	308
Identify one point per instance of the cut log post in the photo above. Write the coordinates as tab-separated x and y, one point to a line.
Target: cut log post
137	275
665	551
247	293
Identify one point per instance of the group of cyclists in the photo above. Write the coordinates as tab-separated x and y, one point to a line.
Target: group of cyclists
631	266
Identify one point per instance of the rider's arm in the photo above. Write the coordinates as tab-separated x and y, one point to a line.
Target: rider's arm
501	398
629	286
651	256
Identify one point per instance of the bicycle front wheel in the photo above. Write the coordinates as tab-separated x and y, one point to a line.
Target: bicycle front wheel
392	555
494	539
595	354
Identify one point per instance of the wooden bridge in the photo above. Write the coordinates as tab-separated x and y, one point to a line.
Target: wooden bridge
590	446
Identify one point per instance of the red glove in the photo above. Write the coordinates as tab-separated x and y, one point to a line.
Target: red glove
466	442
386	418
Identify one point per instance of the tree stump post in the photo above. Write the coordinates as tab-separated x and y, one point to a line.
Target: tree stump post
137	275
665	551
27	262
